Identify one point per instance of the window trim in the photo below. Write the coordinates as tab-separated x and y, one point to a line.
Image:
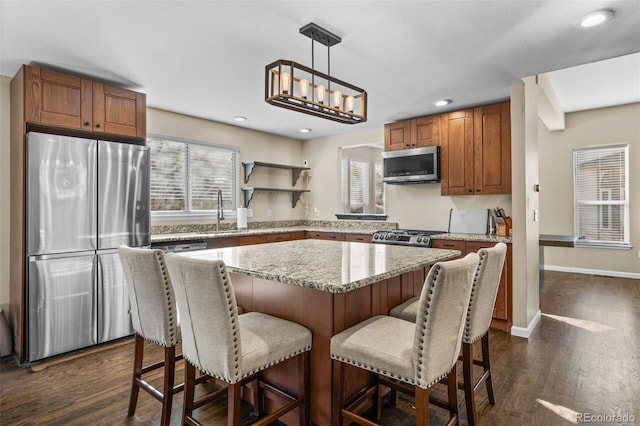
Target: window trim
166	216
624	245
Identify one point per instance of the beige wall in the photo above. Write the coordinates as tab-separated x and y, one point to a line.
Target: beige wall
4	192
620	124
411	206
254	146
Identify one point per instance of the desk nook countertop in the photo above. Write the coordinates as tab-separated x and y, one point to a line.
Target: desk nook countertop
329	266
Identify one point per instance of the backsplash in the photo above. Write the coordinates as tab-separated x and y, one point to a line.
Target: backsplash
205	228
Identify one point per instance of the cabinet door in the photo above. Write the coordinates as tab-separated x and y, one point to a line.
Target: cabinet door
492	149
501	307
221	242
336	236
57	99
281	236
118	111
397	135
456	153
450	245
247	240
358	238
425	131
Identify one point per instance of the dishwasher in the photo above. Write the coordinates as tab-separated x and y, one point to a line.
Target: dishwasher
180	246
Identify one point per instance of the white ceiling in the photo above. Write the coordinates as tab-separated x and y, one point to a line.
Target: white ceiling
207	58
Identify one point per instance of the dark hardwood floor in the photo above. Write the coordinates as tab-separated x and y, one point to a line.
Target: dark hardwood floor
584	357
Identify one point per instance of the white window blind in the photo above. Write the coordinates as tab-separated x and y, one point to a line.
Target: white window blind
186	176
359	185
601	195
379	187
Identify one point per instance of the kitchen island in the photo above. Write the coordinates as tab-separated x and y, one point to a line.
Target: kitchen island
327	286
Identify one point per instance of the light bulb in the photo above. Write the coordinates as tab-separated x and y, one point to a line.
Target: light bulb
285	82
320	91
337	95
348	103
304	88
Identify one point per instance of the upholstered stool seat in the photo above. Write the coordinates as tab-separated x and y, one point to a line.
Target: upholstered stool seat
477	323
231	347
415	355
155	319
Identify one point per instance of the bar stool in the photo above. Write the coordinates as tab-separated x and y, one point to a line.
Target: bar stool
233	348
481	303
154	318
409	357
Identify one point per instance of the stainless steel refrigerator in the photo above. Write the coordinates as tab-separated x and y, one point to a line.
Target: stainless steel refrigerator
84	199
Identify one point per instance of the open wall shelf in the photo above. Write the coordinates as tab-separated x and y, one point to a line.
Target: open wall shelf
295	194
295	170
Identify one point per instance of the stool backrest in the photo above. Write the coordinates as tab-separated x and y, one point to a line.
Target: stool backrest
153	308
484	292
442	310
209	315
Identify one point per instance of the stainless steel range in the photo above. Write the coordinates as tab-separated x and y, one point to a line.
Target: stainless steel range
405	237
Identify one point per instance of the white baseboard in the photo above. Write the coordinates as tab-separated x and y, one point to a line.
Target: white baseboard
616	274
526	332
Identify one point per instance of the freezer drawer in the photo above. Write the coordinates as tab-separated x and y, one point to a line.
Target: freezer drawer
60	191
114	319
123	195
62	304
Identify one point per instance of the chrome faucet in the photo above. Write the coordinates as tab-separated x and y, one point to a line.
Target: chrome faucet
220	212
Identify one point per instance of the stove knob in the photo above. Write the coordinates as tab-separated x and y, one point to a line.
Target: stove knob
419	239
375	236
386	237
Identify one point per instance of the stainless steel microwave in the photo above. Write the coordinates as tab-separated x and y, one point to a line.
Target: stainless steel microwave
417	165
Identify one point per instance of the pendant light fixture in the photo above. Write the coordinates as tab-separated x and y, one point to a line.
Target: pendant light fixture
297	87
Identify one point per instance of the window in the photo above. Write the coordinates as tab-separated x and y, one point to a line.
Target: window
601	196
186	176
358	186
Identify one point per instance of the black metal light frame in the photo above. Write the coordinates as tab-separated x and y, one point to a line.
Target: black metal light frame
289	97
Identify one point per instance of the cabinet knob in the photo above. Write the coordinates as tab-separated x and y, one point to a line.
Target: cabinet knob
477	190
87	123
470	191
98	125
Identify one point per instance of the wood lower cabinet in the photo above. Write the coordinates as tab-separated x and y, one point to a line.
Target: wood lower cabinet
358	238
56	99
316	235
503	308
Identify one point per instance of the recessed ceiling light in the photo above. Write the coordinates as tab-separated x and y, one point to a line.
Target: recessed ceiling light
596	18
442	102
305	130
239	118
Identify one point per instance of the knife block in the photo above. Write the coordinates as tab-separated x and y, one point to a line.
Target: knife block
502	229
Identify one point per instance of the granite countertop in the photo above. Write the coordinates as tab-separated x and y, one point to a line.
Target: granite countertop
182	236
473	237
330	266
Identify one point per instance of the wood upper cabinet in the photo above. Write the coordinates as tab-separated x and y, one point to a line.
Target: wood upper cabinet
397	135
492	149
414	133
456	153
476	151
55	99
425	131
119	111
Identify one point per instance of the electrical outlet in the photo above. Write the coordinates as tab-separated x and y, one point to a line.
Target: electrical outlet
316	211
536	216
269	213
